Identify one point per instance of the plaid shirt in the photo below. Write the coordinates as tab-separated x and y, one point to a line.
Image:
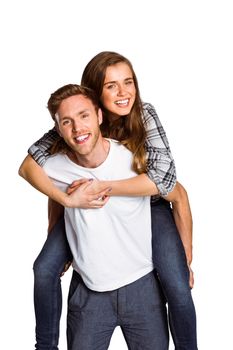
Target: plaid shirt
161	166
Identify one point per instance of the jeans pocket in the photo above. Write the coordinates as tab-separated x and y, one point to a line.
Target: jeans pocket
75	282
78	296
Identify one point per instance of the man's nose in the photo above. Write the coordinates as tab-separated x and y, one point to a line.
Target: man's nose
76	125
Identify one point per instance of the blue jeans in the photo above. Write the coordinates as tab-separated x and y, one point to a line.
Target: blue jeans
171	265
47	287
170	262
138	308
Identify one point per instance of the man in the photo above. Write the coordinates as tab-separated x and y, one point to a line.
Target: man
113	283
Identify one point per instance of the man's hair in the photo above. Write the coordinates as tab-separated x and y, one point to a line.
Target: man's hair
69	90
129	130
54	102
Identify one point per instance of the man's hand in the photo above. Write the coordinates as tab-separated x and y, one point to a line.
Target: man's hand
66	267
191	277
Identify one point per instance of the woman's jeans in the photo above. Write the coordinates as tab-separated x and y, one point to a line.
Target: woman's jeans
47	287
170	263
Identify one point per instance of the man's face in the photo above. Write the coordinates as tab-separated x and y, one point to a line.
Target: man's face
78	124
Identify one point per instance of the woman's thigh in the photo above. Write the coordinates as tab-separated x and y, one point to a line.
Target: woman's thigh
56	251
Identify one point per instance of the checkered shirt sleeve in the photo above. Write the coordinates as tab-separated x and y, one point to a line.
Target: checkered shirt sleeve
40	150
161	166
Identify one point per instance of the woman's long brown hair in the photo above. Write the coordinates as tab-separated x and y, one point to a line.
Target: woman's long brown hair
129	130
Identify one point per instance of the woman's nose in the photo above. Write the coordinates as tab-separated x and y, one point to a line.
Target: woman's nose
121	90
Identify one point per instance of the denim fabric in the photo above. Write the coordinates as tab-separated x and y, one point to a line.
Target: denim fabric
170	262
47	288
138	308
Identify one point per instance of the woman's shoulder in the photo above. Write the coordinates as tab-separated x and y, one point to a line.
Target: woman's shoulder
146	106
149	112
148	109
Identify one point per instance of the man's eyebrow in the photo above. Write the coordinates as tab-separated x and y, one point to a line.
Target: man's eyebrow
115	81
81	112
84	111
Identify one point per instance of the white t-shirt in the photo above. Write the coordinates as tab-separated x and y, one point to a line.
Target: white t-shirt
111	246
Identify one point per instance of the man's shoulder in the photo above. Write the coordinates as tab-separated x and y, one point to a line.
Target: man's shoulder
119	147
55	159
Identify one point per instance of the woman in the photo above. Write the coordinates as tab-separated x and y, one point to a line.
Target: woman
137	126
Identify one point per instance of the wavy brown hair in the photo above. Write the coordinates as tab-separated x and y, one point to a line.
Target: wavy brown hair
128	130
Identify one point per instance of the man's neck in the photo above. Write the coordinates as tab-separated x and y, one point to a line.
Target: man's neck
95	158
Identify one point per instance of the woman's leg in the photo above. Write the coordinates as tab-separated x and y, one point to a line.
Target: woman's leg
170	262
47	287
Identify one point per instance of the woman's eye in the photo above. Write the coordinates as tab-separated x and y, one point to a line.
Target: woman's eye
111	86
129	82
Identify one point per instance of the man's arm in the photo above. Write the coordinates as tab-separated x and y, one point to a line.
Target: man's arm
141	185
183	217
184	223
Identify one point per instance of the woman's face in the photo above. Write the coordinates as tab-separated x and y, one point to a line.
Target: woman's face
119	91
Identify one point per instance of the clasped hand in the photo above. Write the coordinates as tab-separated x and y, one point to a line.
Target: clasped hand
88	194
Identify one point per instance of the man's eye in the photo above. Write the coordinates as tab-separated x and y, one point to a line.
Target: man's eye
85	116
65	122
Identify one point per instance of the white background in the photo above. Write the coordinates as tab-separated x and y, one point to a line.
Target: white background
182	54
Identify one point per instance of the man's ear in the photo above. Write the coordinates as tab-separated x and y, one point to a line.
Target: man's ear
100	116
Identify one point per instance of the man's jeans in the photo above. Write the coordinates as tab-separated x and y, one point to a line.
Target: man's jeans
170	262
138	308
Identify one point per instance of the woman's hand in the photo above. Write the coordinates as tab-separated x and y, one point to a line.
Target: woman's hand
87	194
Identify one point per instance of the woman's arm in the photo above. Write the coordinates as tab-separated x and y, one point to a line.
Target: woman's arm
40	150
36	176
139	185
161	166
83	197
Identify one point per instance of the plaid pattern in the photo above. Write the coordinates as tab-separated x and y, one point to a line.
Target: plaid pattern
161	166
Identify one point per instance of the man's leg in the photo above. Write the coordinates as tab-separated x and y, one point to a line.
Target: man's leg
47	289
91	317
170	262
143	315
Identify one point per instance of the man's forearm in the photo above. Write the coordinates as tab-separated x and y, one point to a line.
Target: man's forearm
183	218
